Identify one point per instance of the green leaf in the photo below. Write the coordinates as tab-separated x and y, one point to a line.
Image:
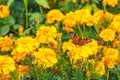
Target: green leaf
9	2
9	20
4	30
43	3
16	26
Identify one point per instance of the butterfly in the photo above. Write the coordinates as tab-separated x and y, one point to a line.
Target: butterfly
79	41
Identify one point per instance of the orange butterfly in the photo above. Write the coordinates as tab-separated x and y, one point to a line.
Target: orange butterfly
79	41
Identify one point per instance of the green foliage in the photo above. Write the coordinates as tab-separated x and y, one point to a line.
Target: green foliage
43	3
10	2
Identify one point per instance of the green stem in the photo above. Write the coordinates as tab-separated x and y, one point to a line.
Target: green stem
80	30
107	75
118	75
26	12
104	8
41	11
84	30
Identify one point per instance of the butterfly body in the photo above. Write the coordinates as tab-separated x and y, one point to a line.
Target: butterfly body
79	41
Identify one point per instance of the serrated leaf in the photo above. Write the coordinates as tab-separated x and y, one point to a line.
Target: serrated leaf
4	30
43	3
9	2
16	26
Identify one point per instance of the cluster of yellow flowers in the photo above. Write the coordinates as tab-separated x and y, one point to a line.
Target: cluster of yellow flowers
24	46
79	17
4	11
110	58
45	57
77	52
48	35
6	43
7	65
29	46
107	35
54	15
111	3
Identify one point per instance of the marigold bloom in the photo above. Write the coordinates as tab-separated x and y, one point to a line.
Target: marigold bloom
23	70
45	57
6	43
20	30
76	52
68	46
54	15
100	68
24	46
4	11
7	64
115	26
107	35
82	16
110	57
46	34
96	19
69	22
108	15
111	3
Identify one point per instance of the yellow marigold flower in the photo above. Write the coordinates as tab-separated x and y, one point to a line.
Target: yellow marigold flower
115	23
92	47
111	3
82	16
107	35
45	57
116	17
23	70
108	16
4	11
24	46
68	46
7	64
46	34
20	30
100	68
115	26
54	15
69	22
76	52
116	43
6	43
96	19
110	57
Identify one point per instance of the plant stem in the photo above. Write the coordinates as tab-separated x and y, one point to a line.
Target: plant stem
80	30
41	11
84	29
26	12
107	75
